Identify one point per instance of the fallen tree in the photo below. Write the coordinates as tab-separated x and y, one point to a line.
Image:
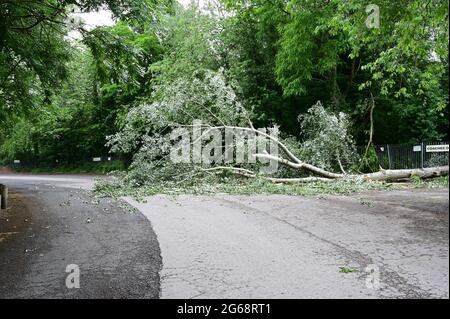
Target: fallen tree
327	153
318	174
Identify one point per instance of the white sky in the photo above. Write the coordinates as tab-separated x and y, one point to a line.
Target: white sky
91	20
104	18
185	3
94	19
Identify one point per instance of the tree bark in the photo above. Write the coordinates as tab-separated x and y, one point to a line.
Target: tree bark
369	143
397	174
383	175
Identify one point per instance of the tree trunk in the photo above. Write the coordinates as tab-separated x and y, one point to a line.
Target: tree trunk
397	174
321	174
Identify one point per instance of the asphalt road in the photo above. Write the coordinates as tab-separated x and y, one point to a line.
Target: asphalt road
395	245
371	245
54	221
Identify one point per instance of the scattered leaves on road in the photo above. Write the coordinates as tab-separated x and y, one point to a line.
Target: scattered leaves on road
347	269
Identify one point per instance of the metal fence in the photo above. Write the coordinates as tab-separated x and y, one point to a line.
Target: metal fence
404	156
390	156
55	163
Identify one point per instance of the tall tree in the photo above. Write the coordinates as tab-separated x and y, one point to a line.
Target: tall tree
326	50
33	48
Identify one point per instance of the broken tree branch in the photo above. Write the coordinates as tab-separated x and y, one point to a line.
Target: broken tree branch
322	174
238	170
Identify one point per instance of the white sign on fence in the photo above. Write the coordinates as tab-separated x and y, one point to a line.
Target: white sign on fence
16	161
97	159
417	148
437	148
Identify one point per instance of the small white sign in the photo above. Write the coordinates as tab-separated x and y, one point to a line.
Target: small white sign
417	148
382	148
436	148
16	161
97	159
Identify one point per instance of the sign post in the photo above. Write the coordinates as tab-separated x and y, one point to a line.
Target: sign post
421	155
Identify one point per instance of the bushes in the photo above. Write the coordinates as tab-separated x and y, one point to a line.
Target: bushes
437	160
371	162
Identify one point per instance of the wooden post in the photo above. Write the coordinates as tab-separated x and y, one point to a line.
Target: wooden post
3	196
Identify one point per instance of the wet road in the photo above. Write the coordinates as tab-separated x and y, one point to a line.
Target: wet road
391	244
53	222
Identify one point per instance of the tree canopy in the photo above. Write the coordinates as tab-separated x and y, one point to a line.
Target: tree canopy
381	73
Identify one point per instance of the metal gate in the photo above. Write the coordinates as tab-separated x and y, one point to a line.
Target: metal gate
404	156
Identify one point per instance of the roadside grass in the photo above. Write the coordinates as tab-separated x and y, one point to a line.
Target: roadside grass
242	186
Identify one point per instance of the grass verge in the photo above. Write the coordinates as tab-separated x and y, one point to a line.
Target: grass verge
242	186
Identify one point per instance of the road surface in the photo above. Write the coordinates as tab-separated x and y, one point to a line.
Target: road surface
392	245
53	222
293	247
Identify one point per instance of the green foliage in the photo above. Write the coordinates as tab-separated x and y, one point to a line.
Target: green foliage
60	100
319	37
188	85
30	63
324	51
416	180
437	160
67	123
222	184
122	55
18	143
249	53
33	48
439	182
328	143
347	269
371	162
161	64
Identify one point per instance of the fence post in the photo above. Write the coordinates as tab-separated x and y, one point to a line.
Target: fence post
389	156
3	196
422	155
